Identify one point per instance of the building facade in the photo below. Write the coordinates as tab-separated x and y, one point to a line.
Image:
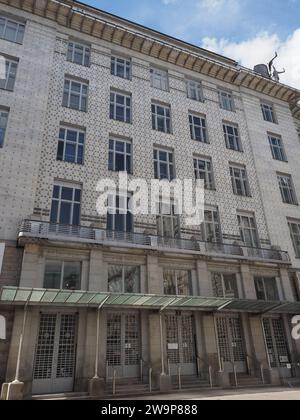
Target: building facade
93	302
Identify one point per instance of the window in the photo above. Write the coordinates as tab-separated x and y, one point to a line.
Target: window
239	179
163	164
295	236
119	158
161	118
232	138
65	207
10	75
120	107
11	30
119	217
75	95
248	230
3	125
79	54
268	113
266	288
226	100
277	149
194	90
168	225
225	286
203	170
124	279
287	189
121	67
159	79
62	275
198	128
70	145
211	229
177	282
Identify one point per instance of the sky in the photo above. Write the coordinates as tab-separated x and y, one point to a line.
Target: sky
247	31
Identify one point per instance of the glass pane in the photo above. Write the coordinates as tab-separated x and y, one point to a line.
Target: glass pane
183	283
169	283
65	213
132	280
67	193
115	283
52	277
72	274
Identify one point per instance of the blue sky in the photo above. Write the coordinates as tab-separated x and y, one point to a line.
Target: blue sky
248	31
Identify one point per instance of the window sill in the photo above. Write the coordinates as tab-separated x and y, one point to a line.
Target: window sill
75	109
122	122
71	163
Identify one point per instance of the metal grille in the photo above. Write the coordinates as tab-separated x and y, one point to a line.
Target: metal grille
187	334
172	339
223	339
237	340
276	342
67	347
132	340
45	347
114	339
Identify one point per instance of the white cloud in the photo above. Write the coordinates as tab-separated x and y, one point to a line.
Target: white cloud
260	49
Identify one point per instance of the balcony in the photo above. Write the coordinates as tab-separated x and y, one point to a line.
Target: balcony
83	234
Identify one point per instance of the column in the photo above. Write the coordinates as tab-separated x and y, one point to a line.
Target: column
155	275
248	282
32	274
98	272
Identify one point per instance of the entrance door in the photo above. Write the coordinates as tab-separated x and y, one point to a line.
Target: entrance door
123	344
231	343
55	355
180	334
277	344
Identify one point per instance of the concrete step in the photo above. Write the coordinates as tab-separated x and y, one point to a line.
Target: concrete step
292	382
62	396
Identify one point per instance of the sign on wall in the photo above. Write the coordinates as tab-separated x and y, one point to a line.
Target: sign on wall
2	247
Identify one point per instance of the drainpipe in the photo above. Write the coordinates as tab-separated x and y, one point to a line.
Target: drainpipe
17	377
217	344
265	341
98	338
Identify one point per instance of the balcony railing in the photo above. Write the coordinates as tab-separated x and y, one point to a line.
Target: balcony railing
55	231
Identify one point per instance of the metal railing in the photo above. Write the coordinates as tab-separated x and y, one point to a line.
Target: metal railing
48	230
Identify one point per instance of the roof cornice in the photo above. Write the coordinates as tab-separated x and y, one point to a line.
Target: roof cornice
102	25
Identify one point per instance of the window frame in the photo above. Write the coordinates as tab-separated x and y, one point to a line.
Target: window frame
9	73
78	144
263	280
169	163
62	273
18	33
223	280
288	192
166	117
202	126
268	110
212	229
175	283
127	67
4	113
294	235
251	228
173	220
236	138
198	89
86	53
81	95
227	96
278	148
242	178
73	202
114	152
162	76
209	179
114	210
125	107
123	267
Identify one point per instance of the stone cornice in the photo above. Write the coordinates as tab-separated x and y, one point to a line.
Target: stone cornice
110	28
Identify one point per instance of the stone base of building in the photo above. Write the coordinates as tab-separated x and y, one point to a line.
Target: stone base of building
96	387
12	391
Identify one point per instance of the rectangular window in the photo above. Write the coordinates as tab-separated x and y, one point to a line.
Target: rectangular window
120	155
71	145
198	128
62	275
10	75
277	149
268	113
119	217
203	170
225	286
177	283
194	90
248	230
161	118
232	138
11	30
163	164
159	79
124	279
239	180
168	223
79	53
121	67
295	236
287	189
226	100
66	201
75	95
3	125
266	288
211	228
120	107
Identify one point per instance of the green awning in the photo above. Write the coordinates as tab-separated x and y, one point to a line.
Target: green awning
49	297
